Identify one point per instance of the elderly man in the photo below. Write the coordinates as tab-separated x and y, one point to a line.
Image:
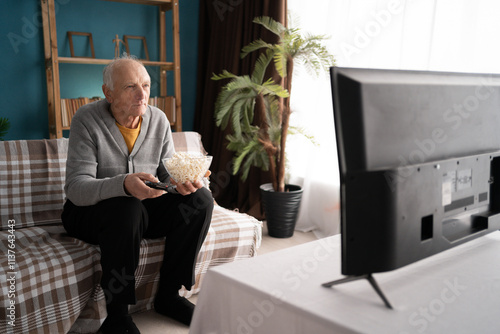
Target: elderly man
115	146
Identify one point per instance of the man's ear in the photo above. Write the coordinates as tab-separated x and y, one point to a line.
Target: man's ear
108	93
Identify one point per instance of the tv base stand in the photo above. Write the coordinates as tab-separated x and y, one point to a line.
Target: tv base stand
370	279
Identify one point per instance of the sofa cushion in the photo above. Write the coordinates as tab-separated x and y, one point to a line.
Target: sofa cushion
32	176
188	141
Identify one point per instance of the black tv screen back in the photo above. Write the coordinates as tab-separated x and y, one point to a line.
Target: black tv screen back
419	157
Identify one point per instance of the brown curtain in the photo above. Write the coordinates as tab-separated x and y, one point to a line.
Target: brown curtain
225	27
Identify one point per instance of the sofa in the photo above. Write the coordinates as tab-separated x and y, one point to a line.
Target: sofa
49	280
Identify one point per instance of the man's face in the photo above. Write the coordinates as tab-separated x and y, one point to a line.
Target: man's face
130	94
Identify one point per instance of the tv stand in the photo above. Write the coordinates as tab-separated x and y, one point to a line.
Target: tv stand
370	279
443	298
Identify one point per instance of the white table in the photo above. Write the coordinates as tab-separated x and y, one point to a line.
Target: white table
457	291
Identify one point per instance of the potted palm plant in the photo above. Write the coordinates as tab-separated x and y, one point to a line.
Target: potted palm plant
262	144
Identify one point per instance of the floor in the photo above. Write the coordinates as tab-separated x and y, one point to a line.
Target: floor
153	323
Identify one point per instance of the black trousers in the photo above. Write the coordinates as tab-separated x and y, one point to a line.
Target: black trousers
118	225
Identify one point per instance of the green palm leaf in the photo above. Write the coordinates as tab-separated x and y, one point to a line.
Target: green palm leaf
4	127
225	75
280	61
261	66
270	24
254	46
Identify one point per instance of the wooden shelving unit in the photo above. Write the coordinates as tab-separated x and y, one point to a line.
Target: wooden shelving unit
52	61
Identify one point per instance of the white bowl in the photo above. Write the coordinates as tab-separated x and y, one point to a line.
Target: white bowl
184	166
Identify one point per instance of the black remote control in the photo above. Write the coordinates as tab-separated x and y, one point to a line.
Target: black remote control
161	186
158	185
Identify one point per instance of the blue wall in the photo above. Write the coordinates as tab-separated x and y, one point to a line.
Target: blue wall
23	89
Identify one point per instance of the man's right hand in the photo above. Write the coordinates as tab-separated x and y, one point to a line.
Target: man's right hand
135	186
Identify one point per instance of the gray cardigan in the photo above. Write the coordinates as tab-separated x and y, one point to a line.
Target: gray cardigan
98	158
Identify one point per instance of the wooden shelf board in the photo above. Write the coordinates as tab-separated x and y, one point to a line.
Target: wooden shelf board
80	60
146	2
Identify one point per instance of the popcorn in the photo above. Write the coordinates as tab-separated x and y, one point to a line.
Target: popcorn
184	167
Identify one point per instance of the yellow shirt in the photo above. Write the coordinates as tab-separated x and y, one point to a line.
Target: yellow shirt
130	135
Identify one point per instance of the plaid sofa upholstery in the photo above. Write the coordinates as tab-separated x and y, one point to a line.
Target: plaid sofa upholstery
50	281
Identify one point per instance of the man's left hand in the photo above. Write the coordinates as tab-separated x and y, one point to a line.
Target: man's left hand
187	187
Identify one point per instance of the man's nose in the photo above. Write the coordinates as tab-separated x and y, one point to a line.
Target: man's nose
141	93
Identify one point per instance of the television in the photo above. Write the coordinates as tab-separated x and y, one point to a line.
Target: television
419	160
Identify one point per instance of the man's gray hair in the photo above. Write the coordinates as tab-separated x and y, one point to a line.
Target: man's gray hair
107	73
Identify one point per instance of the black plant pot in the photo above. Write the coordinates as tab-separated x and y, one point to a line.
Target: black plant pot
281	209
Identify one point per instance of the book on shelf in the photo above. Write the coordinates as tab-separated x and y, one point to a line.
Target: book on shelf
70	106
165	103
